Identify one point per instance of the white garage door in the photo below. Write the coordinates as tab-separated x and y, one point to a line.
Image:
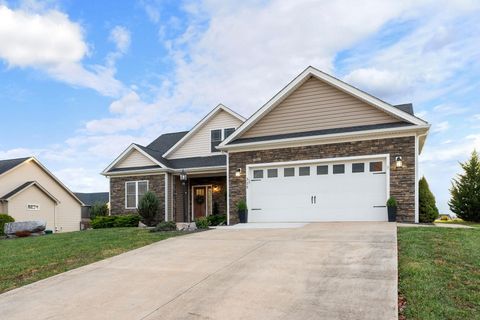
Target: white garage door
353	190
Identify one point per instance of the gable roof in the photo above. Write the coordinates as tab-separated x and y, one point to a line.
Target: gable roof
8	164
400	112
24	187
93	197
200	124
156	149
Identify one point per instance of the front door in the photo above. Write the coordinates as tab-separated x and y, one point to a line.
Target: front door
199	201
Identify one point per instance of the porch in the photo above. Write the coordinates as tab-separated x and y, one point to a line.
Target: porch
202	195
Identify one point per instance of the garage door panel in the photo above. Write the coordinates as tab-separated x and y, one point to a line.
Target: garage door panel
346	196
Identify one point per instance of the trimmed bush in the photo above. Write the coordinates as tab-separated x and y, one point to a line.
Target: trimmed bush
392	202
202	223
217	219
148	208
465	191
428	211
4	218
128	220
99	209
165	226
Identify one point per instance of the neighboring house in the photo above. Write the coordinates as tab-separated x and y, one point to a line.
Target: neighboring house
28	191
319	150
89	199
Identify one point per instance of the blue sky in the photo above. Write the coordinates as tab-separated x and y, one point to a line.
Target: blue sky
81	80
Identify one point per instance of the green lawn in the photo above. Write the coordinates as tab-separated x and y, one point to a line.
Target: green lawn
26	260
439	273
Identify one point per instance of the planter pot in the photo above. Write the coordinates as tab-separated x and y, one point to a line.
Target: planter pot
243	216
392	214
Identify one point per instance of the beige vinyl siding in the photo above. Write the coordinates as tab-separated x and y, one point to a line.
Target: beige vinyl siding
68	211
17	207
135	159
316	105
198	144
3	207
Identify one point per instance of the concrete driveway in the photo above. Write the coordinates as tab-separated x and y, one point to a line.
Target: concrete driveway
318	271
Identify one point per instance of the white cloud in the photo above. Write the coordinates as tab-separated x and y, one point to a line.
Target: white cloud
121	37
440	127
50	42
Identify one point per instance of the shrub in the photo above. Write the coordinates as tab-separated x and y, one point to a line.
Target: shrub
165	226
217	219
241	205
392	202
202	223
99	209
428	210
148	208
128	220
4	218
465	191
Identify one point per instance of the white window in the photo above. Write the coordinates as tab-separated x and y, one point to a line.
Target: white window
134	191
33	207
217	136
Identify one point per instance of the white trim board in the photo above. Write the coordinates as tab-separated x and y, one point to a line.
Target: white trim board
327	139
302	78
131	147
200	124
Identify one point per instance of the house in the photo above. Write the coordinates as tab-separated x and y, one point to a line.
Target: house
89	199
29	191
319	150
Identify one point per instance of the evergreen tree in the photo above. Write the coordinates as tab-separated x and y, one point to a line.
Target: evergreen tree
465	191
148	208
428	210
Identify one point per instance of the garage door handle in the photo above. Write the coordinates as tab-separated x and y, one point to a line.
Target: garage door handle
256	209
314	199
379	206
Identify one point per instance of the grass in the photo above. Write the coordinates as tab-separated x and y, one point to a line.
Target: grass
439	273
26	260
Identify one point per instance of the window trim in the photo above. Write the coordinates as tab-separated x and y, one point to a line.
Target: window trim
253	173
276	173
285	176
136	192
375	161
363	167
338	164
325	166
222	136
304	175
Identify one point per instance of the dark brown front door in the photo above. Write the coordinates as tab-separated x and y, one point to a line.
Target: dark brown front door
199	201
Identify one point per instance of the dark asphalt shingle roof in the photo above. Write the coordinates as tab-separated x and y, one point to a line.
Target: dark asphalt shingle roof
8	164
163	143
407	107
17	190
321	132
91	198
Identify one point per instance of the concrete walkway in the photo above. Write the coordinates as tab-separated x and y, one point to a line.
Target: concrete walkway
319	271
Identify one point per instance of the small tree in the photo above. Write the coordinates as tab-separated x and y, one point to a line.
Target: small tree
428	210
99	209
148	208
465	191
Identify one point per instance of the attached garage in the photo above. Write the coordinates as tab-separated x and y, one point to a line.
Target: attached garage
340	189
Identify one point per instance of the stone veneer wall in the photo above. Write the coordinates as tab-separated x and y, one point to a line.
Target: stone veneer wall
402	180
156	183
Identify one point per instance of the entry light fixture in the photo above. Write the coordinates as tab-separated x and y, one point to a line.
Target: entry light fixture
183	176
398	161
216	188
238	172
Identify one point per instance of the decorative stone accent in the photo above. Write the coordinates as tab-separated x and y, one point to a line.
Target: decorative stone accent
185	226
402	180
156	184
24	226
